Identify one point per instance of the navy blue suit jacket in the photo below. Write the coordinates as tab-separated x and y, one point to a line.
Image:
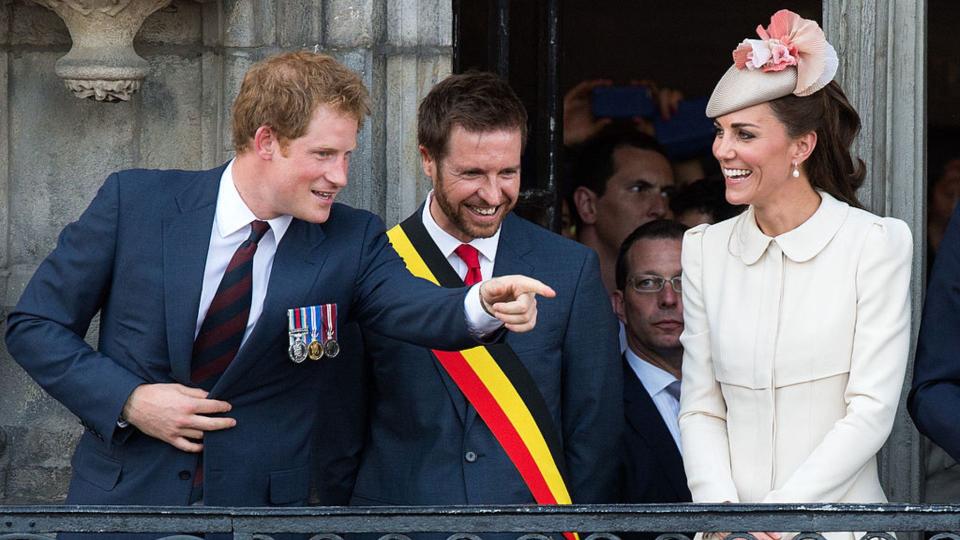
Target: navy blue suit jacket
427	446
652	464
935	396
137	257
653	467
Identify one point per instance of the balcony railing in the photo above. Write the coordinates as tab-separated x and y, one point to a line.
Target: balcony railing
595	522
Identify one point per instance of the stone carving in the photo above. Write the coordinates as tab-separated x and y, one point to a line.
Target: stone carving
102	64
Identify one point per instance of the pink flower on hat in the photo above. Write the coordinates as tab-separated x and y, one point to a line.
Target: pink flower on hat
765	54
790	40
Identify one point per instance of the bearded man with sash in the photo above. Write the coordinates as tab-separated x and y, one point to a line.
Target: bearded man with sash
533	418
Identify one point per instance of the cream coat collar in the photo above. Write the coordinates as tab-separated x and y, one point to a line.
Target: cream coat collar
801	244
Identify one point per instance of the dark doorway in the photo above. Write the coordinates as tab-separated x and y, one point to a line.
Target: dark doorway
545	47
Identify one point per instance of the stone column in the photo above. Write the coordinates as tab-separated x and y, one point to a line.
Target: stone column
882	49
419	53
5	11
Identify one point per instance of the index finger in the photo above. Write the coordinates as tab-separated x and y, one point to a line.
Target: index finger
529	285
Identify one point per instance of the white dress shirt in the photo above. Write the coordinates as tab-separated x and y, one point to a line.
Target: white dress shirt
231	226
478	320
656	381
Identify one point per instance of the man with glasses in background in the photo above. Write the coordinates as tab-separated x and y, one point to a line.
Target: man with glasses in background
648	302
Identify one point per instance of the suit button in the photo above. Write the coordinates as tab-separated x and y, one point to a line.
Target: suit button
470	456
184	475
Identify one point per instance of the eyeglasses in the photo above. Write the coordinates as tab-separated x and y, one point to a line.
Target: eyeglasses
651	283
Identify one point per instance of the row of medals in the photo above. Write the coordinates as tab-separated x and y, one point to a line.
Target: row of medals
314	351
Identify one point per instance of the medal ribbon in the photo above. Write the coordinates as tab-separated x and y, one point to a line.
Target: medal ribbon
331	319
495	382
314	327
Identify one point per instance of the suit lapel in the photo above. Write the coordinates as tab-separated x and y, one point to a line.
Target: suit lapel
186	230
645	419
513	250
296	268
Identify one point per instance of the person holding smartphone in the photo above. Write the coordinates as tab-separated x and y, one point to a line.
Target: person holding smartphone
796	312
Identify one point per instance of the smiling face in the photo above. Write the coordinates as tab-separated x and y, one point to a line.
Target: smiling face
755	154
476	183
304	175
633	194
653	321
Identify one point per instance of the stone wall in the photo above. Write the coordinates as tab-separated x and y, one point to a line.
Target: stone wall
55	149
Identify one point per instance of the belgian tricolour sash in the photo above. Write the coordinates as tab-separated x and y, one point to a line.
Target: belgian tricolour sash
494	381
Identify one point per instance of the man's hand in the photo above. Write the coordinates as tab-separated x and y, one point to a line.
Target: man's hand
175	414
579	124
512	299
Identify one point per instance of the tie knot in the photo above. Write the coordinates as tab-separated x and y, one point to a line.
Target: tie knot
257	230
674	390
469	255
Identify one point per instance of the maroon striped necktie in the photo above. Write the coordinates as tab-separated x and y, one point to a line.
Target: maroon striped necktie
226	321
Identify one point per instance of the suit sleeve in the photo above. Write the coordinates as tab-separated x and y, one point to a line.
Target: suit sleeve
592	391
878	363
703	411
45	331
392	302
936	373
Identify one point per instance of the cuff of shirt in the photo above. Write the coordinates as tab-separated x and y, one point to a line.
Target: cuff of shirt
480	323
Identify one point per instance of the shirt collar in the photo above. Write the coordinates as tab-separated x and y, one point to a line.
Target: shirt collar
654	379
233	214
800	244
448	243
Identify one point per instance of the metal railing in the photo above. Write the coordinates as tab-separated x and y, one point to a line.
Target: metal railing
472	522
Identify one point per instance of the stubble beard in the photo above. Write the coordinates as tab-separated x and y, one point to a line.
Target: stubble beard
459	221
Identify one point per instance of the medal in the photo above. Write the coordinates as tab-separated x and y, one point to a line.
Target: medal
331	348
297	334
315	349
330	345
297	351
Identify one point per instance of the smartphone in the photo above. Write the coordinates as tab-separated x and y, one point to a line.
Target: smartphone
688	132
622	102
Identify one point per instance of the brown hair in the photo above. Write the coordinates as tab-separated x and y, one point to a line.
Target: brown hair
476	101
283	91
830	167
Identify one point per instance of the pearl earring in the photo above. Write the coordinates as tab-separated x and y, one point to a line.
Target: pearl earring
796	171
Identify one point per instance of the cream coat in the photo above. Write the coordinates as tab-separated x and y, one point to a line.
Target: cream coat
795	349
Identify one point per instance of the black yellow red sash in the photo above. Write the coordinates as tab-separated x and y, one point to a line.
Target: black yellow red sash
494	381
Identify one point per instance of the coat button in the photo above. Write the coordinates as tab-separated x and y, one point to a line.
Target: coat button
184	475
470	456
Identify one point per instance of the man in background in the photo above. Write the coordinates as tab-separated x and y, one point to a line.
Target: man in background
648	302
621	179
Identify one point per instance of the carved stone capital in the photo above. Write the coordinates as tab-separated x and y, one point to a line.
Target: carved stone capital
102	64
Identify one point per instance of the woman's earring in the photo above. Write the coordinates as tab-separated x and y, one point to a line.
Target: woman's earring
796	171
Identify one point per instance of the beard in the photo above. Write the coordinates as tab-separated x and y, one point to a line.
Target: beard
459	215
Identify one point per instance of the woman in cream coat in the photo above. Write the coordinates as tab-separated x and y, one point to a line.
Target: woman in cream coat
796	312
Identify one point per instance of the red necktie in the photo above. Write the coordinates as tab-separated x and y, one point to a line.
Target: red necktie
470	255
222	330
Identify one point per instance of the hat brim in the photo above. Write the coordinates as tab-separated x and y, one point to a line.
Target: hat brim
742	88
